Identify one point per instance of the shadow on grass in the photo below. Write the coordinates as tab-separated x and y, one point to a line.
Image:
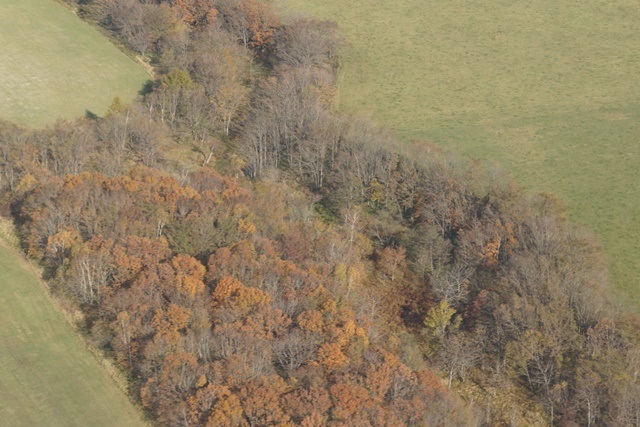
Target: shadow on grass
147	88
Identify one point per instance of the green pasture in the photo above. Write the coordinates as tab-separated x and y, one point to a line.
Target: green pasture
548	89
53	65
47	375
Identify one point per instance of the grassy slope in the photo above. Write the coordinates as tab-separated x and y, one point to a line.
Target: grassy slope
548	89
54	65
47	375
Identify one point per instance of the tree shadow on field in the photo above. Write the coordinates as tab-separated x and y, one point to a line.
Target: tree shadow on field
147	88
90	115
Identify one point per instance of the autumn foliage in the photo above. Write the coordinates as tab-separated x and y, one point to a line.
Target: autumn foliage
251	258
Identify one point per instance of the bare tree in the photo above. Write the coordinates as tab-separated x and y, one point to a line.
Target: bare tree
308	43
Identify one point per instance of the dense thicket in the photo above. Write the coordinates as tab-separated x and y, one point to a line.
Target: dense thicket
250	257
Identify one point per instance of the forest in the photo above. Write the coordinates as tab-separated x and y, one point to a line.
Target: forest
249	256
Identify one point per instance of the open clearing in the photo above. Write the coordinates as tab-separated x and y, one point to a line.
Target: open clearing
47	375
548	89
53	65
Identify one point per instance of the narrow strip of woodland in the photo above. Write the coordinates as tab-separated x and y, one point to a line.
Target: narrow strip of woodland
251	257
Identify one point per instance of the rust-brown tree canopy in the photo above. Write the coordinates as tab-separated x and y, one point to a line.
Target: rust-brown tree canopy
250	257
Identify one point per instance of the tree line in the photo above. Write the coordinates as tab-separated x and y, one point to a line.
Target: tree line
249	256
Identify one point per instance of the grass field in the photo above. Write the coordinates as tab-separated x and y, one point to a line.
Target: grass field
47	375
53	65
548	89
